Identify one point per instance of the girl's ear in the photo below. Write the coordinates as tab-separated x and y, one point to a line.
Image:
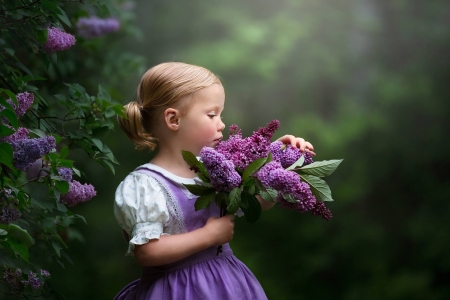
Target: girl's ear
172	118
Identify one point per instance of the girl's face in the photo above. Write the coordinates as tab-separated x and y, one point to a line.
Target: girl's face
202	125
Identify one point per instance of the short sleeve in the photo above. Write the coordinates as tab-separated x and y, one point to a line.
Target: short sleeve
140	207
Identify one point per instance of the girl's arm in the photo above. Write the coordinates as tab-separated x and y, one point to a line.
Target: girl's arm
171	248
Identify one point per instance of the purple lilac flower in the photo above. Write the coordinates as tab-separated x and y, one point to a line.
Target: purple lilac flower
27	151
272	175
45	273
78	193
33	281
264	172
65	173
58	40
9	215
20	134
12	276
93	26
24	101
287	155
221	170
321	210
244	151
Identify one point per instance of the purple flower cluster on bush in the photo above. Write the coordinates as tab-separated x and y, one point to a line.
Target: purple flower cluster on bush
14	276
93	26
27	151
65	173
9	215
58	40
241	151
221	171
78	193
24	101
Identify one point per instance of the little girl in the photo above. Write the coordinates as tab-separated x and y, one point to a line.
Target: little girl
178	108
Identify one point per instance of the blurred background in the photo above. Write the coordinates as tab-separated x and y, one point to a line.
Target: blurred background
363	80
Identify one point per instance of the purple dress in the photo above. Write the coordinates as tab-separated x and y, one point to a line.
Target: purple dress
203	275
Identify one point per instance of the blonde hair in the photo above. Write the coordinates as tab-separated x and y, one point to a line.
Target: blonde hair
161	87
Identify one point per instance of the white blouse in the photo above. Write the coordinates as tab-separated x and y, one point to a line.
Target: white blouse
141	208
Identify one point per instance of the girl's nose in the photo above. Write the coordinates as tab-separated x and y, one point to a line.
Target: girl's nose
221	125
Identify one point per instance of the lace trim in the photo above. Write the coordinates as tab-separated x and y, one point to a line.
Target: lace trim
144	232
176	224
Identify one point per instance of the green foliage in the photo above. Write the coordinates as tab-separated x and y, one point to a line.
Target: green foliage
76	115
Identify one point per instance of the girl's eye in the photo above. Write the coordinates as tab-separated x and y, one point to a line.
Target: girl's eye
212	116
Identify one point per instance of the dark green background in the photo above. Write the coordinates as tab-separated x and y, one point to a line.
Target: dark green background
363	80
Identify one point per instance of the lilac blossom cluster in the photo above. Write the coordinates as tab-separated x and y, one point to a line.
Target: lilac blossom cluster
78	193
287	183
93	27
27	151
221	171
65	173
241	151
13	277
288	155
9	215
24	101
33	281
58	40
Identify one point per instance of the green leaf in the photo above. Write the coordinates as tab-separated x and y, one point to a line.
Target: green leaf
234	200
103	94
109	112
299	162
50	6
20	250
63	17
11	95
6	154
204	201
269	194
63	152
253	210
62	186
3	232
38	132
5	130
97	144
25	69
18	234
190	158
319	187
253	167
198	190
57	247
320	168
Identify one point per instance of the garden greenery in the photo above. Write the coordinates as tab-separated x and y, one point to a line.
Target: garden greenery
43	119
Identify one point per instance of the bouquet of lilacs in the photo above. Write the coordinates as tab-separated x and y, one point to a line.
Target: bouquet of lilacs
241	169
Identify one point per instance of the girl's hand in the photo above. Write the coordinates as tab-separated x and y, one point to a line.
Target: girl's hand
221	230
298	142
